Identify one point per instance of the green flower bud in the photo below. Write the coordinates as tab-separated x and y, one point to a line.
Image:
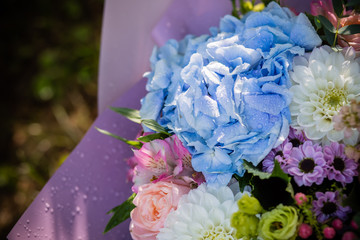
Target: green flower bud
245	225
280	223
259	7
249	205
246	7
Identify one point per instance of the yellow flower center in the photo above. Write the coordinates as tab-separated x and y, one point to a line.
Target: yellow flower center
334	99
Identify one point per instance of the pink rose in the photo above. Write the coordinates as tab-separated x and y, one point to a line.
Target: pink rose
154	202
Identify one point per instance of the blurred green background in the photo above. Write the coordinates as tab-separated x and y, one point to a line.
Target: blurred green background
49	61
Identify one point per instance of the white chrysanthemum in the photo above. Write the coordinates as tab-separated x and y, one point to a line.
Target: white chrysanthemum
204	213
323	82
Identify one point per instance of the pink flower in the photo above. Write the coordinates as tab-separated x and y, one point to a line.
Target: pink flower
349	236
305	230
352	40
329	233
324	8
154	202
161	159
337	224
300	198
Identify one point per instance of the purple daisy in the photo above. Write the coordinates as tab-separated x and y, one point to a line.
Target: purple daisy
307	164
328	205
280	153
296	137
283	151
340	167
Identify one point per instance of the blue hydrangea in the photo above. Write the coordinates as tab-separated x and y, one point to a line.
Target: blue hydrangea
226	95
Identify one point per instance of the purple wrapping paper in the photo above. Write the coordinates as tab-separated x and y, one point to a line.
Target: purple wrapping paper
73	204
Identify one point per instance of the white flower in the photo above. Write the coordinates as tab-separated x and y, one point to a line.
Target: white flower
324	81
204	213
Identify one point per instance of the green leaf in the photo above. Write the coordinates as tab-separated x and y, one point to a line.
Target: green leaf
244	181
129	142
256	172
121	213
350	29
154	136
353	3
278	172
317	23
327	24
153	125
131	114
330	37
338	7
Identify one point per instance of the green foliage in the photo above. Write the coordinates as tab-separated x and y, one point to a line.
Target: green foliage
134	115
350	29
338	7
120	213
263	184
152	137
135	144
153	125
131	114
353	3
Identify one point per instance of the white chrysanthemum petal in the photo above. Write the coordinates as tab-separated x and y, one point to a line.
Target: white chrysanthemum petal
321	88
351	70
209	221
294	110
307	108
318	69
313	134
325	125
305	120
335	136
302	73
319	54
299	96
300	60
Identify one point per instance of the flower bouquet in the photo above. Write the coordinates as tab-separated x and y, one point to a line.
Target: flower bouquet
250	131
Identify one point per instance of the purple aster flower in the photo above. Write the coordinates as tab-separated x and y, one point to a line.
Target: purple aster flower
280	153
341	168
307	164
328	205
283	151
296	137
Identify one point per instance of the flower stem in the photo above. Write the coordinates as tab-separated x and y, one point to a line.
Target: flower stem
234	11
336	33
